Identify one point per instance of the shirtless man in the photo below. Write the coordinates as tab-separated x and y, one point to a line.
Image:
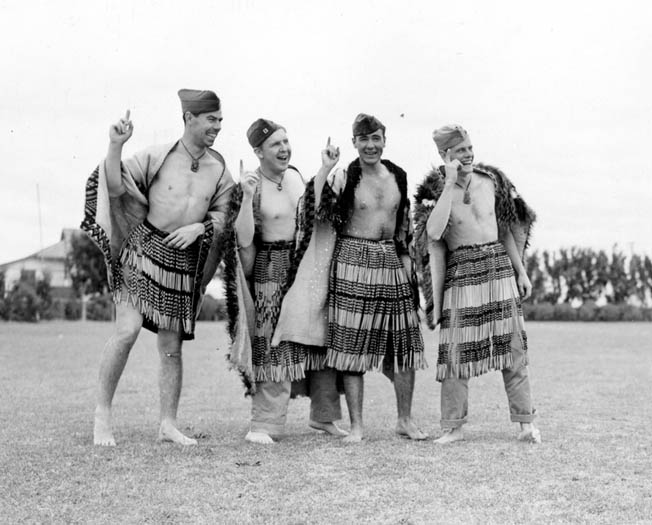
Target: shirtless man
471	221
372	308
155	216
265	228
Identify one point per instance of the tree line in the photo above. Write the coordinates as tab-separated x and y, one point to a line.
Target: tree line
569	284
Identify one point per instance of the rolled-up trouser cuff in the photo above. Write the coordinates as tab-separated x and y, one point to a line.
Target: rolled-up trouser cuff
523	418
447	424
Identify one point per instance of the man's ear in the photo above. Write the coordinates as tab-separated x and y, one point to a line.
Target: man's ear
353	141
258	152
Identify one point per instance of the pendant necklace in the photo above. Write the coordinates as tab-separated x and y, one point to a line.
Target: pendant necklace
467	194
278	183
194	165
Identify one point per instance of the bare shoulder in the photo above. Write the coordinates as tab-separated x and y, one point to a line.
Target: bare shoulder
214	158
294	174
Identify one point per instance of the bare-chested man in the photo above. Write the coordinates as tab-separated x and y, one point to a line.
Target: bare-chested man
372	308
156	216
472	230
265	228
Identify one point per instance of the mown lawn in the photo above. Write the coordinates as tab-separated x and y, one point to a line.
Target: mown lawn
592	385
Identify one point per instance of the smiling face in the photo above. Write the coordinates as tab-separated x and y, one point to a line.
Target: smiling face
275	152
203	128
462	152
370	147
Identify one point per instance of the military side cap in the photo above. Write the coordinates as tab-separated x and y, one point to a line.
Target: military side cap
366	124
198	101
260	130
449	136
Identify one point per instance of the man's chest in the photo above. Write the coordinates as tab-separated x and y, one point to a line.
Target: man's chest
479	205
176	180
275	204
377	194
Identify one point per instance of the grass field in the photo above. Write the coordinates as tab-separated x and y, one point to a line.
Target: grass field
592	385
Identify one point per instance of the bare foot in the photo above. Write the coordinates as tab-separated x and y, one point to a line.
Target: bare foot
529	433
330	428
169	433
410	430
450	435
102	434
259	437
355	435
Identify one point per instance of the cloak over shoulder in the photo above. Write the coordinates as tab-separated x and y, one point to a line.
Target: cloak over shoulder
304	312
108	220
511	212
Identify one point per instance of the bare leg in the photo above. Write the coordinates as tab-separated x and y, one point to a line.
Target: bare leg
404	388
354	393
170	379
114	358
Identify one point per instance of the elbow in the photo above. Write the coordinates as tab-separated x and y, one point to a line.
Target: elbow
434	234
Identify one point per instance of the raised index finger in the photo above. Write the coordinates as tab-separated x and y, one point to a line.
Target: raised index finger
241	168
127	114
328	142
447	157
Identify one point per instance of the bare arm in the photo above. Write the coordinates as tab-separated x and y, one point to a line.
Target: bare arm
329	157
522	280
439	216
244	222
220	202
438	220
119	133
437	251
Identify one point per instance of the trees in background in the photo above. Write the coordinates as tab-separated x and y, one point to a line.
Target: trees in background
581	275
568	284
87	269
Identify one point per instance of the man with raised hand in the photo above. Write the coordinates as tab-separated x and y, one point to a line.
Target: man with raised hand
472	229
157	217
356	241
265	226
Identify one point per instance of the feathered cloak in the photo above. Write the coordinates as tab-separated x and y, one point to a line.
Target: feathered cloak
511	212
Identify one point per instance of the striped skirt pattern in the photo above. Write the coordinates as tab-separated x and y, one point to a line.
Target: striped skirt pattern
286	361
372	320
159	281
482	315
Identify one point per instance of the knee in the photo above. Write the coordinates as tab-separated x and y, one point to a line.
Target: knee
125	334
169	345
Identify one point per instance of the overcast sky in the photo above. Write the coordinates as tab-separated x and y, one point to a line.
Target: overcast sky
559	95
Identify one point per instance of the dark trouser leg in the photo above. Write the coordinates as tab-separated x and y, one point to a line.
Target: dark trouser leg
324	398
